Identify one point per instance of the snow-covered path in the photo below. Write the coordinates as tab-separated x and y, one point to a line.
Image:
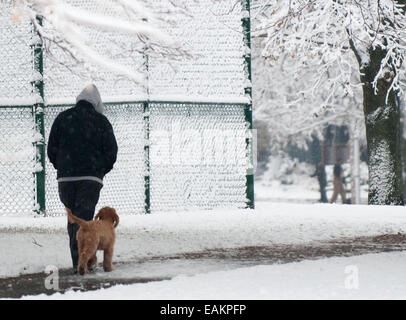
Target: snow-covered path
29	245
160	268
372	276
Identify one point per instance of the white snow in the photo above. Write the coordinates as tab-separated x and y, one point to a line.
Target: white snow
143	236
372	276
31	244
29	101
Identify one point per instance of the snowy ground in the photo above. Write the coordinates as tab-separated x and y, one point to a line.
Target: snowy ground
372	276
300	186
29	245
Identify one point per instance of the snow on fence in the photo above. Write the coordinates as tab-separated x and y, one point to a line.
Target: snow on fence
184	139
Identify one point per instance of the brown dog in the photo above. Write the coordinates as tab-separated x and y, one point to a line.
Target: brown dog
97	234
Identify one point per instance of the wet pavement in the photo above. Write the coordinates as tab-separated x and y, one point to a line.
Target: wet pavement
166	267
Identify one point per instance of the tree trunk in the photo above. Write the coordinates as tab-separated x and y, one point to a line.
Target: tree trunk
382	122
355	164
403	144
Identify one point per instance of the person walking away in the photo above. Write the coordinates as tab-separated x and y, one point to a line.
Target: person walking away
82	148
338	184
321	177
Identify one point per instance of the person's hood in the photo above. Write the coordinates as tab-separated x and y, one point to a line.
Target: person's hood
91	94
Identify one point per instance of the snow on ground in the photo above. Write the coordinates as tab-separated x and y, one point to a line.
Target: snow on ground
371	276
30	244
276	191
299	185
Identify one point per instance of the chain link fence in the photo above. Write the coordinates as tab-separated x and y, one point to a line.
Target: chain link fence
183	141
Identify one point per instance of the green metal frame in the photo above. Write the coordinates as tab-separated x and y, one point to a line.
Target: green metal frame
147	176
147	160
246	23
38	112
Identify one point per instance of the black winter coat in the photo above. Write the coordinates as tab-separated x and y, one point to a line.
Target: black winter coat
82	143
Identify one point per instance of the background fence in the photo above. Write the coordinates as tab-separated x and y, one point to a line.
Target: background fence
184	141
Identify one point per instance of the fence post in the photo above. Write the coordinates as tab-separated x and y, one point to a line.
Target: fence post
246	23
147	162
38	113
146	136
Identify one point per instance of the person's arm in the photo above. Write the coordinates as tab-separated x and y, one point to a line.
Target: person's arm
53	144
110	147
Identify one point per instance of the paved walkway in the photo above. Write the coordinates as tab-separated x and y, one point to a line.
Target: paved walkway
166	267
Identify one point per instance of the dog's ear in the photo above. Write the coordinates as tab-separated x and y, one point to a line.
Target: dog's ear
116	219
99	215
108	213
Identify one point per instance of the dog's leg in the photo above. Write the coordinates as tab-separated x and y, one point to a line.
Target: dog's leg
83	260
92	261
108	259
86	253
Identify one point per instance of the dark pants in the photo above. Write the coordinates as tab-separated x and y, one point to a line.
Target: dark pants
81	197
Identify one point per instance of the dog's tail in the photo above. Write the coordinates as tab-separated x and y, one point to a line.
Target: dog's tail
73	219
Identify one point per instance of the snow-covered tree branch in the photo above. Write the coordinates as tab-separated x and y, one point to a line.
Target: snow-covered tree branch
322	39
322	34
65	26
284	96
